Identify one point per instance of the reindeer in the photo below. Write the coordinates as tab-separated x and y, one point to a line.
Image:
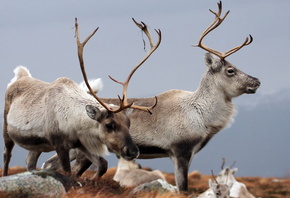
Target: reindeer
217	189
60	116
238	189
183	122
130	174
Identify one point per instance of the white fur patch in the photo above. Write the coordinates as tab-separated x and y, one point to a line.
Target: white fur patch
19	71
96	84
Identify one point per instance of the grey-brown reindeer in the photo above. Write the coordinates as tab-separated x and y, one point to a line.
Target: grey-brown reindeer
60	116
183	122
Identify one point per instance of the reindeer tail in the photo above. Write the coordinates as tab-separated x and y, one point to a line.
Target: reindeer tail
19	72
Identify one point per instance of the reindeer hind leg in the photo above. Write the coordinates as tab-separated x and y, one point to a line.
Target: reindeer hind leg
31	160
8	146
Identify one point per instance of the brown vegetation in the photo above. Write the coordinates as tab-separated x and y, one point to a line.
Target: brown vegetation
106	187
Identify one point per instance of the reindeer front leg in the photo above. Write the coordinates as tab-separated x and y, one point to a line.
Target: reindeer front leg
181	159
63	157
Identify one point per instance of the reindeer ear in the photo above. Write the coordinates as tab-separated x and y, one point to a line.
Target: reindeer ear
95	113
212	62
211	184
234	170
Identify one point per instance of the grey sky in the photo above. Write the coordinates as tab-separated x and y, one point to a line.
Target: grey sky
40	36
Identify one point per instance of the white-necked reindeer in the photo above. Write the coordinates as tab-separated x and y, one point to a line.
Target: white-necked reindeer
61	116
183	122
217	189
130	174
238	189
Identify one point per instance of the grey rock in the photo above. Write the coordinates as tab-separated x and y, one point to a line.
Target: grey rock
42	183
158	185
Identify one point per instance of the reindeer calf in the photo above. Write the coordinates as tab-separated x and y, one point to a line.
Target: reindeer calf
130	174
217	189
238	189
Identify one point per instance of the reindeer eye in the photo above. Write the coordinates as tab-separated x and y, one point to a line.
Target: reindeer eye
110	126
231	71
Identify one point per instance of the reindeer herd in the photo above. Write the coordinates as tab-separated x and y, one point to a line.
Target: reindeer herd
72	120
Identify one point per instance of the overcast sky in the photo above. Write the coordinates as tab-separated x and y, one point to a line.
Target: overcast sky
40	36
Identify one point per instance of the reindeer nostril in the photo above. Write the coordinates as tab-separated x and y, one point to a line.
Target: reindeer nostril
130	153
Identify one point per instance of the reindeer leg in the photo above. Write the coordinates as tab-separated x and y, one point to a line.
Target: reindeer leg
9	144
53	162
181	159
63	157
31	160
81	164
102	167
85	158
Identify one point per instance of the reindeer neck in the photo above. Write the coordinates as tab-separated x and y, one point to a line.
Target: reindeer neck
210	104
209	92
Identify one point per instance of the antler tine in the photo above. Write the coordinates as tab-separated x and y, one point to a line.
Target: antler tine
213	177
246	42
123	101
233	164
217	21
223	163
81	60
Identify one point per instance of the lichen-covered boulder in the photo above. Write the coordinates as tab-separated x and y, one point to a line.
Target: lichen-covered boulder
42	183
158	185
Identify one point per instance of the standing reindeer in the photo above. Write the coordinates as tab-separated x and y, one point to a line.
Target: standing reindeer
183	122
60	116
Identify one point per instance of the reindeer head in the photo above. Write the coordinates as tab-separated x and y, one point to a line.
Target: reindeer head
220	189
231	80
114	125
227	174
114	131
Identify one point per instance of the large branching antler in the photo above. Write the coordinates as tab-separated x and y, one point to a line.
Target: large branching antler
217	21
125	84
123	102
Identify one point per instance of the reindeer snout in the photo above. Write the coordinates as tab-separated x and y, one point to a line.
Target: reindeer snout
253	88
130	153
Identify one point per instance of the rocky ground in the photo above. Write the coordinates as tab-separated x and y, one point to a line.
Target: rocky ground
106	187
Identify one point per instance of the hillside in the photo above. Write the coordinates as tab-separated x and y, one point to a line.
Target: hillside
106	187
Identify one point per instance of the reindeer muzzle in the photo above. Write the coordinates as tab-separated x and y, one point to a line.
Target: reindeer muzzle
130	153
253	88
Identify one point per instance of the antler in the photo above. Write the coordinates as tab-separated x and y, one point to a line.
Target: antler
123	102
233	164
217	21
223	163
213	177
125	84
